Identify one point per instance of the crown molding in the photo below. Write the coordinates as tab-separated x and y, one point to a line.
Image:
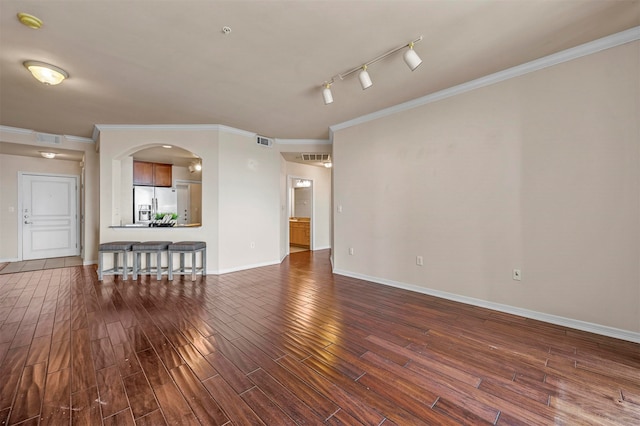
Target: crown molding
303	141
16	130
181	127
540	316
78	139
20	131
614	40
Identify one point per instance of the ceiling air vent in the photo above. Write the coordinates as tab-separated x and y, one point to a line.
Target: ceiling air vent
316	157
48	138
262	141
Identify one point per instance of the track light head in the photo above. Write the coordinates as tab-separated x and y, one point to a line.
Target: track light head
327	95
411	58
365	80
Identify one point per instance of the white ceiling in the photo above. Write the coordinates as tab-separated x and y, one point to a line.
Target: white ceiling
168	61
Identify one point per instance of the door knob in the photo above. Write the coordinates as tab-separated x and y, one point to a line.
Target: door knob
28	223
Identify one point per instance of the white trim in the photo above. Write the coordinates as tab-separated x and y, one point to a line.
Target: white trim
321	248
540	316
16	130
290	209
89	262
9	259
243	268
595	46
19	131
227	129
303	141
79	243
71	138
182	127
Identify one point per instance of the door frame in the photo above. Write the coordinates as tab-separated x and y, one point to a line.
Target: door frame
290	187
21	210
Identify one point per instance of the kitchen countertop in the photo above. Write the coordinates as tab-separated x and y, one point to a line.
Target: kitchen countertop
145	226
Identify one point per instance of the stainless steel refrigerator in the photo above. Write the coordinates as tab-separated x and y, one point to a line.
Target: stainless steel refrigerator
150	200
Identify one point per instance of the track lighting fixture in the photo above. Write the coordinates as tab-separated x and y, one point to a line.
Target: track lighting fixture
411	58
195	167
326	94
365	80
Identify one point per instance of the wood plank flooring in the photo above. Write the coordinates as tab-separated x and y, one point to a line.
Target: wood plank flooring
292	344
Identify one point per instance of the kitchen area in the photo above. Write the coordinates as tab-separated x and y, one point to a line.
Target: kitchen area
163	194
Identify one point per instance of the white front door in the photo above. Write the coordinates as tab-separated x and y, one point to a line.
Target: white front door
49	216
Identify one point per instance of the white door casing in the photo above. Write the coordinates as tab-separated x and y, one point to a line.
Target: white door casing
49	216
184	203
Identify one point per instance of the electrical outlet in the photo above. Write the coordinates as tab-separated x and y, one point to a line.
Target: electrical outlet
517	274
419	261
351	251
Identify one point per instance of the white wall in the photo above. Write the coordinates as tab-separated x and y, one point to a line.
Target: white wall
249	203
117	143
10	165
10	213
540	172
321	222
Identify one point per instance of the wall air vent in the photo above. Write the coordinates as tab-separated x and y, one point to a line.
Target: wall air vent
48	138
316	157
262	141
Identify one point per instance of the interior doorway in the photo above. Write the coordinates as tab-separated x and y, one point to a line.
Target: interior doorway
49	216
189	194
300	208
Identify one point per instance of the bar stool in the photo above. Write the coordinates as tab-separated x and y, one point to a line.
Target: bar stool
115	247
148	247
182	248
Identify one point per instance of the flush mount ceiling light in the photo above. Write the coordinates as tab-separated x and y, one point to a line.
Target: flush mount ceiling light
167	146
48	155
46	73
411	58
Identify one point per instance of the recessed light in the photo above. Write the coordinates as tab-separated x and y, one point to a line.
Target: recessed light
167	146
48	155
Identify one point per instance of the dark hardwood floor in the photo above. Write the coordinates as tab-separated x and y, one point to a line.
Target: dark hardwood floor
292	344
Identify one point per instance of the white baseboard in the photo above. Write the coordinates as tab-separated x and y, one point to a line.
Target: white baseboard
89	262
540	316
321	248
9	259
243	268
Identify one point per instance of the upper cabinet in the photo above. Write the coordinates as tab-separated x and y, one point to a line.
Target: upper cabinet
152	174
